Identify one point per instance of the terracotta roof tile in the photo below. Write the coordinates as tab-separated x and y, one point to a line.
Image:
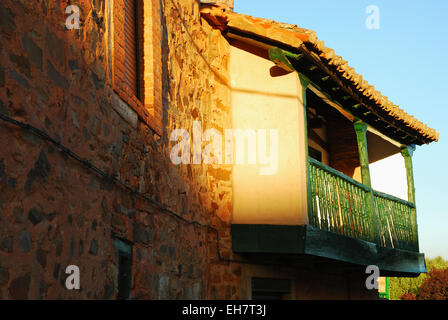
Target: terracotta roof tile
292	35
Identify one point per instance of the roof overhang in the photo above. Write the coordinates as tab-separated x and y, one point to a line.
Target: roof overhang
327	73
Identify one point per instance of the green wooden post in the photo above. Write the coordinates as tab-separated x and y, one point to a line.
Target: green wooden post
304	83
407	152
281	58
361	130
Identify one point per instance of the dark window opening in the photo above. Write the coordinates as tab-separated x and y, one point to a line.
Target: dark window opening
270	289
131	49
124	269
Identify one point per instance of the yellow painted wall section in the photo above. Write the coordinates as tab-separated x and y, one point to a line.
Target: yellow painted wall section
263	101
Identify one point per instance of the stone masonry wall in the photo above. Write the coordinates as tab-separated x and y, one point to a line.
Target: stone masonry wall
55	212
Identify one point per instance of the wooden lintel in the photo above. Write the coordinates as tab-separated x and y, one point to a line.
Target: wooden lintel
327	99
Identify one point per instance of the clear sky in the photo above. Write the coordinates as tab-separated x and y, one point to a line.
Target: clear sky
405	59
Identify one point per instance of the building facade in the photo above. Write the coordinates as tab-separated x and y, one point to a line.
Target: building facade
101	123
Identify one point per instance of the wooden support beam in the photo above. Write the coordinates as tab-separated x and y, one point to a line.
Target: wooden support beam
282	58
361	137
361	129
357	96
407	152
328	99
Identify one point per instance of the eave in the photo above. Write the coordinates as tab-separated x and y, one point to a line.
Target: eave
326	71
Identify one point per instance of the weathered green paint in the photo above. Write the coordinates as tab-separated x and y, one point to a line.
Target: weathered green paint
296	241
394	199
338	174
327	96
364	213
304	82
344	206
361	129
281	58
396	219
407	152
339	203
344	101
258	238
361	137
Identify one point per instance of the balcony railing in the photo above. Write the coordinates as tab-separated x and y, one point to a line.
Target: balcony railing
397	222
342	205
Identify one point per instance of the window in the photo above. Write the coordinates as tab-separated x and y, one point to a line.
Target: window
270	289
137	58
131	47
128	53
124	269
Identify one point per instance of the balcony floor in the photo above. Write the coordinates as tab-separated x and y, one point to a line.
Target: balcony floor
307	240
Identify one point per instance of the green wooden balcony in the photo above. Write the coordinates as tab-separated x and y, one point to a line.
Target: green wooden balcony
348	222
337	219
344	206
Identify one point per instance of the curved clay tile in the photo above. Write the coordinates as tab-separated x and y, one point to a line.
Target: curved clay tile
294	36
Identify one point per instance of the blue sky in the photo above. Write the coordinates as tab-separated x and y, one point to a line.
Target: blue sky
405	59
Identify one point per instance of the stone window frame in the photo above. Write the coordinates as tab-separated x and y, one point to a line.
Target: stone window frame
148	105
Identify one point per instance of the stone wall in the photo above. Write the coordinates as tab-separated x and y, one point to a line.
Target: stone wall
55	211
60	206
